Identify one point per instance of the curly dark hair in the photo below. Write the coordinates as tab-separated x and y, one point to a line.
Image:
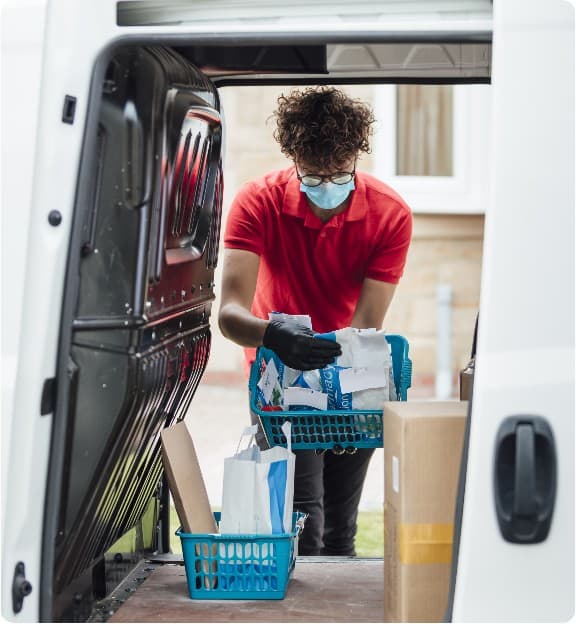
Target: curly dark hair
323	127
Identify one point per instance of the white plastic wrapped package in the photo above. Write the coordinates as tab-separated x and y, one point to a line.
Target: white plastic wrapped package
306	393
339	399
362	377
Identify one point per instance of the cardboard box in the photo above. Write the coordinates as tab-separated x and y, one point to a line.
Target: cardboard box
185	480
422	452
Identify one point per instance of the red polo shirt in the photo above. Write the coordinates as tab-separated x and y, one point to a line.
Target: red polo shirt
315	268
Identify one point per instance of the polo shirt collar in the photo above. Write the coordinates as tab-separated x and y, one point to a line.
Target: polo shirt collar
295	203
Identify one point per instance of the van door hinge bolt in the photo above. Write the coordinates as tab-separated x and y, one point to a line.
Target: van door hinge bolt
54	218
25	588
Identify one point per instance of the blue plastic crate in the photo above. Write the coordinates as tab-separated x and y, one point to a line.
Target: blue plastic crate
331	429
240	567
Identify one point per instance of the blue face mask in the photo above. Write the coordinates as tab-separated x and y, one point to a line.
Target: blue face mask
328	195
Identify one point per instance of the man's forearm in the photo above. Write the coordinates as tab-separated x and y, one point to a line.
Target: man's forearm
241	326
364	320
373	304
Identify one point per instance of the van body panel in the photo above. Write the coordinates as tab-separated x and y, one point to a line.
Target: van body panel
382	16
525	355
21	55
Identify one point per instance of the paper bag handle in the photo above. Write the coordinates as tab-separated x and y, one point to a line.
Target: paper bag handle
287	431
248	431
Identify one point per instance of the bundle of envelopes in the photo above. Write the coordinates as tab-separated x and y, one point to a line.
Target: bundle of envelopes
360	378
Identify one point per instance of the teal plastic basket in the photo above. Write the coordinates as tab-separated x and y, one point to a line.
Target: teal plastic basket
331	429
240	567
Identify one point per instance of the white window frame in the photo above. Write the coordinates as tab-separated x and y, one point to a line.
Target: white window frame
466	190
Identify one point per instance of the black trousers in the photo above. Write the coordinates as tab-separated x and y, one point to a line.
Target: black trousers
328	488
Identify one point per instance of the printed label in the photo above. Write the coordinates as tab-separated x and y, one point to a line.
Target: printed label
330	378
305	396
395	474
354	379
268	380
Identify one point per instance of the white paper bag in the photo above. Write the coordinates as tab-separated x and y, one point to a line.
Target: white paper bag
258	490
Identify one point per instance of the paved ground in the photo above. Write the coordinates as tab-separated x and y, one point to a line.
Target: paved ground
216	418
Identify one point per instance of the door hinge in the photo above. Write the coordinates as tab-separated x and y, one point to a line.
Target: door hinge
48	400
20	587
69	109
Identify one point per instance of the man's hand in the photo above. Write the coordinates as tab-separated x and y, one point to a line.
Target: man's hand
296	346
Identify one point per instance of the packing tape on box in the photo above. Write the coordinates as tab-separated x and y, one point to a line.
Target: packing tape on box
425	543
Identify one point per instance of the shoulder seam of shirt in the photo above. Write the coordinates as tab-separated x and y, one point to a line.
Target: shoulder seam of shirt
388	192
401	204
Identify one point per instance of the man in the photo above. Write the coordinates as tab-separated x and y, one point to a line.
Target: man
323	239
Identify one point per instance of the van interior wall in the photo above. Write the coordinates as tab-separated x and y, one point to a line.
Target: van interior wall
445	248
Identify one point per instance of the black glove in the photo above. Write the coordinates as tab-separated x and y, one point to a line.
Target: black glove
296	346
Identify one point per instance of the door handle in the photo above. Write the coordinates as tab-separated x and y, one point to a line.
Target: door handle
525	479
525	468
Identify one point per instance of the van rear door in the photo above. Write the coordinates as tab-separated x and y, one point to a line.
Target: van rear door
132	285
135	334
124	220
516	553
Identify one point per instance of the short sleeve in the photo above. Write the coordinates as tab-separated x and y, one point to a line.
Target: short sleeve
387	261
245	225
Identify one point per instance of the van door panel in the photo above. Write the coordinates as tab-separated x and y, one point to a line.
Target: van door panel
149	205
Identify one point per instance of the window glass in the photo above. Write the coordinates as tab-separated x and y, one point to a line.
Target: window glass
424	130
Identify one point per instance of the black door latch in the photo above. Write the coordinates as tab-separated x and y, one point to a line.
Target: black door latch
525	479
20	587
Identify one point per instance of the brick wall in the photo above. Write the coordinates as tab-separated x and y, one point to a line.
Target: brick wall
445	249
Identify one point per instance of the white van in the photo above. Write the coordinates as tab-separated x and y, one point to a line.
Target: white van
108	269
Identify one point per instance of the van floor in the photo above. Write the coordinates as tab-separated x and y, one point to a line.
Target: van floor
322	589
